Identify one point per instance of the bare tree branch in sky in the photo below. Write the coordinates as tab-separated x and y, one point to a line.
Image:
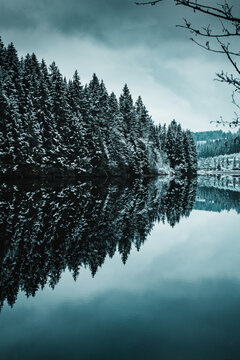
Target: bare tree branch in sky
216	37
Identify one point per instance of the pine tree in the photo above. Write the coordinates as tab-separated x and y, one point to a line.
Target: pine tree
190	152
4	118
129	130
116	141
62	115
75	98
171	143
30	110
11	89
46	118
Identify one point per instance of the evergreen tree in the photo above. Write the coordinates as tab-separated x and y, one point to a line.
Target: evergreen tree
190	152
50	137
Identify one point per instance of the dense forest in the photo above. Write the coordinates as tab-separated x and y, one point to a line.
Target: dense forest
45	229
49	125
210	135
215	143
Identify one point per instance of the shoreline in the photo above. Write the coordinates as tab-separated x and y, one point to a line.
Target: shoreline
219	172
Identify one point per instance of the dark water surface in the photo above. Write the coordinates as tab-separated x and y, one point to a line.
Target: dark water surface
148	271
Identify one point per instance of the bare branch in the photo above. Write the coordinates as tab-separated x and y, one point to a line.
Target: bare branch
234	100
208	31
225	14
207	47
230	80
229	58
148	2
216	40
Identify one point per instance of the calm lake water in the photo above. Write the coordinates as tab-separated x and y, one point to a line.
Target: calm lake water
146	271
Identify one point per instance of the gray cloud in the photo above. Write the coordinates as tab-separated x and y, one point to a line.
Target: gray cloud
14	17
117	23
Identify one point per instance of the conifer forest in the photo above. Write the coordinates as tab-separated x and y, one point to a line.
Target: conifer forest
51	126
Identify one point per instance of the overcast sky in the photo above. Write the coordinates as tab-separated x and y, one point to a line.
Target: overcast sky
125	43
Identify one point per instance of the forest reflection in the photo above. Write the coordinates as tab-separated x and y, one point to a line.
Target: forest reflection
218	193
46	229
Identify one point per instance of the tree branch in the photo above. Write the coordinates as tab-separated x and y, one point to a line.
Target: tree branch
225	13
208	32
148	2
230	28
229	58
207	47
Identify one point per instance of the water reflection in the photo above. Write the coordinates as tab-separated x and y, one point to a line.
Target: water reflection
218	193
178	298
46	229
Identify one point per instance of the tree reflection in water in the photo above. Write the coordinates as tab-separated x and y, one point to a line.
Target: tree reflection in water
218	193
45	229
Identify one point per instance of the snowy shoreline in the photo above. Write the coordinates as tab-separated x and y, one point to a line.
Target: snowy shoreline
219	172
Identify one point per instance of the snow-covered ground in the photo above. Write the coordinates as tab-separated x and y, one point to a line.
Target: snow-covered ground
220	164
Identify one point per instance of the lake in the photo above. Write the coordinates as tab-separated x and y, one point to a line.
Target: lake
148	270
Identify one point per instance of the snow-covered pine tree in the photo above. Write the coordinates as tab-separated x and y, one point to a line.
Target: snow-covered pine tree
31	74
48	127
171	143
75	96
116	141
62	116
143	129
12	88
130	130
190	152
180	159
95	146
4	118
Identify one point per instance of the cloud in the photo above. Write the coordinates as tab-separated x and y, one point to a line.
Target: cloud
113	22
117	23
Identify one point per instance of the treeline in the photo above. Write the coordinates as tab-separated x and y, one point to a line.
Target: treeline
46	229
210	135
220	147
49	124
226	144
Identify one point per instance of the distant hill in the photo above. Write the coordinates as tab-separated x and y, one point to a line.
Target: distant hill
217	142
210	135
